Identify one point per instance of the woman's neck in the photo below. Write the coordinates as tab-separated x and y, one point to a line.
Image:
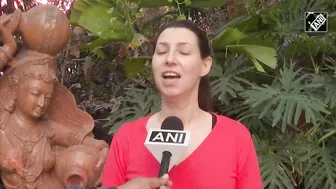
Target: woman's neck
187	109
24	121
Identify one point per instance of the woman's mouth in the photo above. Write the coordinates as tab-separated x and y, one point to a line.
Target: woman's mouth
170	75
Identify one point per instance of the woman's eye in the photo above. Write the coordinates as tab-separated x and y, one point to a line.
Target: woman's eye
35	93
184	53
161	52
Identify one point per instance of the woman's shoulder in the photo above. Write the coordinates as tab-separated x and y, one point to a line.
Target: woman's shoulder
232	126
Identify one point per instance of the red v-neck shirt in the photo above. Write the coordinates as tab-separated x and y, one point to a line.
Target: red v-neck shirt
226	159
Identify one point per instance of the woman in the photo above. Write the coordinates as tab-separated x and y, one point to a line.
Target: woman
221	153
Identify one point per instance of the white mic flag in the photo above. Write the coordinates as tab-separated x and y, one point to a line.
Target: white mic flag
173	141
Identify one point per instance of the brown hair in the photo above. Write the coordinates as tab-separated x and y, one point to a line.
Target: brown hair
204	89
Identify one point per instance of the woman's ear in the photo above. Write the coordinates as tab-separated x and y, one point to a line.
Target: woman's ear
206	66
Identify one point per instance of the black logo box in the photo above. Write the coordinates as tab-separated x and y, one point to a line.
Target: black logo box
316	22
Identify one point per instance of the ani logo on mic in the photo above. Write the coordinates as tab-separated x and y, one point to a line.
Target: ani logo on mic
168	137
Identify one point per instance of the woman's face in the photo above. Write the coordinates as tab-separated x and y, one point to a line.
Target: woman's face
34	97
177	64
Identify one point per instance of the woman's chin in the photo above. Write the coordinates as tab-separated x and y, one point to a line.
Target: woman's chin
170	93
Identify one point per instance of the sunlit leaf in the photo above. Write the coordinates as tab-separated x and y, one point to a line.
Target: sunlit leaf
265	55
103	18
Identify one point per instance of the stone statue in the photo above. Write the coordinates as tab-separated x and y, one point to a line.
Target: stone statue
46	141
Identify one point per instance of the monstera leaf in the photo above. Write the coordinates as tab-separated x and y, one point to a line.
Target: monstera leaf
107	19
287	100
191	3
320	171
228	83
274	166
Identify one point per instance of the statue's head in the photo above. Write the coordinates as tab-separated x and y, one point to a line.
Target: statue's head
32	86
35	87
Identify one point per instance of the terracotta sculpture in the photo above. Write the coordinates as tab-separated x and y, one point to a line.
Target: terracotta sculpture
46	141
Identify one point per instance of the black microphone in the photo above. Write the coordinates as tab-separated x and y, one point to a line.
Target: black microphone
168	143
170	123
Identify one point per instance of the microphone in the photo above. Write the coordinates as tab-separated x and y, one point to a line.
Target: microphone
168	143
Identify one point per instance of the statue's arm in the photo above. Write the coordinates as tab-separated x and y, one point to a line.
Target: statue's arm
63	135
68	136
9	48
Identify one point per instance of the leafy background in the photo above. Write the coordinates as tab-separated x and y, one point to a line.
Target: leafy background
268	73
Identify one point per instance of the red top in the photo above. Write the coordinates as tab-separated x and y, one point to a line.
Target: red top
225	159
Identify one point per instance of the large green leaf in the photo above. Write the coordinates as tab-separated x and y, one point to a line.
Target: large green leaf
231	39
226	37
265	55
106	19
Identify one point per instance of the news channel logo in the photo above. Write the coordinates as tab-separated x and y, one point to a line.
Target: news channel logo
316	22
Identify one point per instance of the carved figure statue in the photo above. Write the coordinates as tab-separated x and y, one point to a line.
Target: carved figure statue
46	141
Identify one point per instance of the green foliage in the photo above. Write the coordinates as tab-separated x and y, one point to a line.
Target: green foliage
321	167
289	98
274	166
136	103
228	82
109	20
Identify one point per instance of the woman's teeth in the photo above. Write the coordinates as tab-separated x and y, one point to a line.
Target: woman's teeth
170	75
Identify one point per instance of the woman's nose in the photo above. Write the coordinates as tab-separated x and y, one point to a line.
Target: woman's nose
170	61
